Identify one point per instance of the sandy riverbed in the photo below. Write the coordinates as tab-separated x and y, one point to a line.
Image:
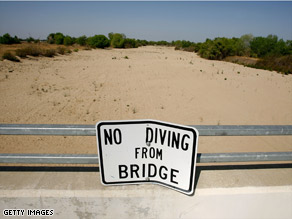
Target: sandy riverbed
144	83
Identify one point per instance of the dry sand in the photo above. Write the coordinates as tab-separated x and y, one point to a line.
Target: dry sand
153	83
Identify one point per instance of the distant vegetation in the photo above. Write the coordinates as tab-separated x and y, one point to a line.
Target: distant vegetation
272	53
7	39
114	40
247	45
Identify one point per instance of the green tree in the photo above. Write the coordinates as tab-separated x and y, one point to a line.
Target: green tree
81	40
98	41
141	42
51	38
68	41
117	40
59	38
110	36
281	49
263	46
30	40
7	39
130	43
245	44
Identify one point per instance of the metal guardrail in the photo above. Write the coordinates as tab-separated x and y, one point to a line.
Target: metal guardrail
93	158
89	130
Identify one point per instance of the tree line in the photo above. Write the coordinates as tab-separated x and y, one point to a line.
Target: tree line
246	45
216	49
274	53
114	40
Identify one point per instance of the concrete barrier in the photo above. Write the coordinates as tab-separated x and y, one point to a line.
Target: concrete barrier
219	193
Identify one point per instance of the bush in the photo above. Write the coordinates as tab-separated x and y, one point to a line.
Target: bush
219	48
56	38
68	41
162	43
130	43
35	51
30	40
98	41
9	56
61	50
117	40
280	64
81	40
141	42
270	46
182	44
22	53
49	53
110	36
31	51
50	38
59	38
7	39
189	49
246	45
261	46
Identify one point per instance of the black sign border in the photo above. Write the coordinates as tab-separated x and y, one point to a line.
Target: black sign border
128	122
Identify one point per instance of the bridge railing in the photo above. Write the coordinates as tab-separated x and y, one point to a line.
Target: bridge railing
89	130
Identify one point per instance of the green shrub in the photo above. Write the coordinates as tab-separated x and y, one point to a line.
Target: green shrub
30	40
7	39
110	36
68	41
117	40
182	44
130	43
56	38
59	38
98	41
219	48
141	43
162	43
270	46
76	50
50	38
81	40
261	46
11	57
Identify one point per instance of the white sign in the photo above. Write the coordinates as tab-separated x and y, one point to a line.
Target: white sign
147	151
